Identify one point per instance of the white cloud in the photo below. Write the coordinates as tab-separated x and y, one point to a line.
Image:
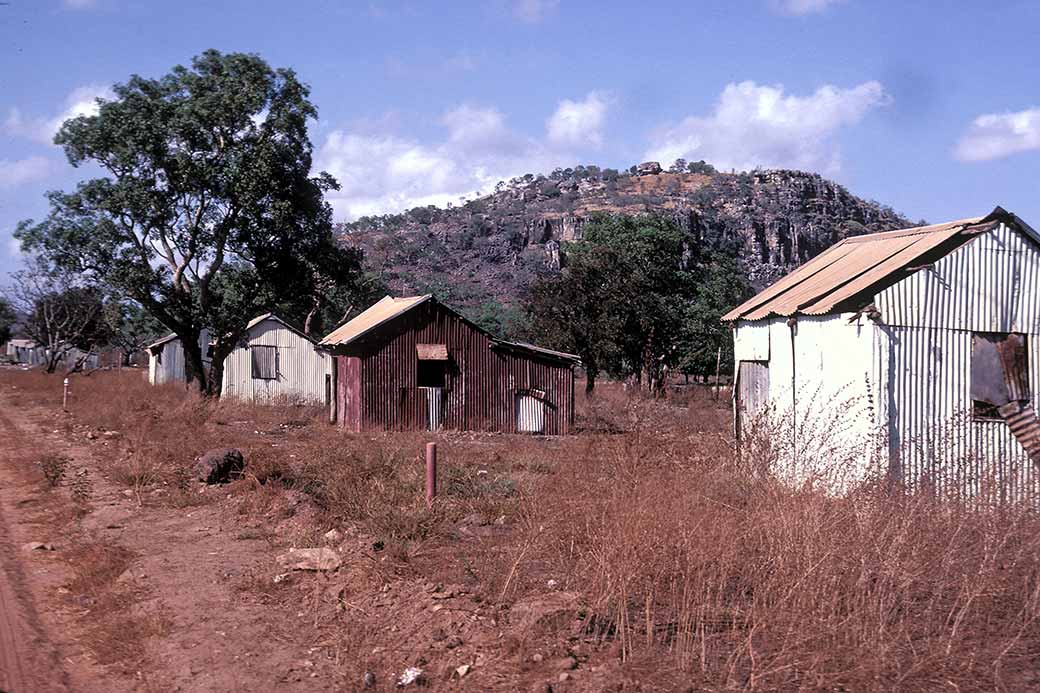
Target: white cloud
800	7
81	101
996	135
579	123
14	247
534	11
381	172
21	171
754	125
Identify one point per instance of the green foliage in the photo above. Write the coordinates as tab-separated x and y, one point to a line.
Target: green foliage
621	302
130	327
8	318
208	213
720	288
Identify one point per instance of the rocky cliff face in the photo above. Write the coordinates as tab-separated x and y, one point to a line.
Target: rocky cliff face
484	253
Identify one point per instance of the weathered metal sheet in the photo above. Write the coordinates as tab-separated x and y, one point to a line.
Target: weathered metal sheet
431	352
382	311
752	393
530	414
481	382
989	285
166	359
934	440
300	369
847	269
434	407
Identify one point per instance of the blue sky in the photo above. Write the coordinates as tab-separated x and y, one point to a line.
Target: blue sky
932	108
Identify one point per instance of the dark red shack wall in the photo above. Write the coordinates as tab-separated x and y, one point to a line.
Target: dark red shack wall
482	382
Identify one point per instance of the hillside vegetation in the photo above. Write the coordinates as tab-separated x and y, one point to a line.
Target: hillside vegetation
484	253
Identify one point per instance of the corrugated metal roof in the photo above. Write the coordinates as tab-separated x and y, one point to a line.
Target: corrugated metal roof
271	316
383	310
862	265
524	346
159	342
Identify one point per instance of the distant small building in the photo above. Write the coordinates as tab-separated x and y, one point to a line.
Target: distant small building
26	352
166	359
414	364
278	360
915	352
274	360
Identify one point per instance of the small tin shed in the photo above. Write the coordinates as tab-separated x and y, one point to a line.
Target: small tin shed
26	352
914	353
277	360
166	359
414	364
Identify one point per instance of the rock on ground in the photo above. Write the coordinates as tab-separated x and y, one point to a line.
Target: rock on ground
310	559
219	466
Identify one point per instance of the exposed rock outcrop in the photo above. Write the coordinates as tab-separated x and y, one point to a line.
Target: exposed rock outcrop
488	250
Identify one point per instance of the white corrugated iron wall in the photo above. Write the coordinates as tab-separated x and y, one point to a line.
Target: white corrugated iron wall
302	368
923	353
823	400
170	368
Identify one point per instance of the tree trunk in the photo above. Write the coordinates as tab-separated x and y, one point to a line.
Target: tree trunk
194	368
216	375
590	381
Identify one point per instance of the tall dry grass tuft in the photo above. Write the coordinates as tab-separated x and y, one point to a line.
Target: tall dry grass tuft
749	583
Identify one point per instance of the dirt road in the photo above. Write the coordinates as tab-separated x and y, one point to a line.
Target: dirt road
136	595
28	661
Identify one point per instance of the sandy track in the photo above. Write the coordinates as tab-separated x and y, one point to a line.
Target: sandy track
27	661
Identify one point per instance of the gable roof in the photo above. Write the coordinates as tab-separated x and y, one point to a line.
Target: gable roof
537	350
159	342
851	271
271	316
382	311
389	308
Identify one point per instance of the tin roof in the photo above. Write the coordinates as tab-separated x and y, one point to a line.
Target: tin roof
23	343
159	342
858	267
388	308
382	311
271	316
541	351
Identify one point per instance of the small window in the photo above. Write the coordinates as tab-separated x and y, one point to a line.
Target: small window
999	372
432	373
265	362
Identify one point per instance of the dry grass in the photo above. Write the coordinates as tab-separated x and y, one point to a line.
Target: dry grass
684	556
117	629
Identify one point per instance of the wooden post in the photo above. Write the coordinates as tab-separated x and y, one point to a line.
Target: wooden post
718	372
431	473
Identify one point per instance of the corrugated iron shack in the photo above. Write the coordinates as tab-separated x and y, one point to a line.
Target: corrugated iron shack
166	359
414	364
914	353
277	360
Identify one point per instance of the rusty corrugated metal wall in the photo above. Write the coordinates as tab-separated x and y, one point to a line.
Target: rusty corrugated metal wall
481	384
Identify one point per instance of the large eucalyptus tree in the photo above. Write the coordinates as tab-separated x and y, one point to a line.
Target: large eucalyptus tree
207	212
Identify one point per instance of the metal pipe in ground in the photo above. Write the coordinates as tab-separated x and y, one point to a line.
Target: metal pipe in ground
431	473
65	395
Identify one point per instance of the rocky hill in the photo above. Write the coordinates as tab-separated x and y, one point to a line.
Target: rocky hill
482	254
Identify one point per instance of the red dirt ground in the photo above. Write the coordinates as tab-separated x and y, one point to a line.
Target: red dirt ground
143	594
